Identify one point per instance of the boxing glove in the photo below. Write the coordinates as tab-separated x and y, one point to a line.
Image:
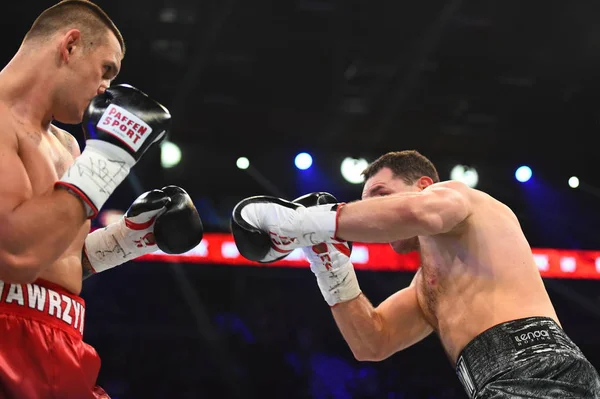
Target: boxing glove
319	198
316	198
163	219
266	229
330	262
179	228
119	125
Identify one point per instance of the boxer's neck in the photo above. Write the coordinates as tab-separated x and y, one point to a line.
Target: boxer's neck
27	84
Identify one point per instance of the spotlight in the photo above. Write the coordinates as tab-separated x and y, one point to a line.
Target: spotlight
465	174
352	168
523	174
574	182
303	161
109	216
242	163
170	154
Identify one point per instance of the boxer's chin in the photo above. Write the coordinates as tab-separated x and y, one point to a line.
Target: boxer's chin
405	246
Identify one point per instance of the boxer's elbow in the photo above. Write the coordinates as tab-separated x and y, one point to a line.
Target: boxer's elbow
20	262
373	348
379	350
370	356
376	352
18	268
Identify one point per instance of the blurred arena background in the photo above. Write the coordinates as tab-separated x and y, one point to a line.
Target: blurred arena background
501	94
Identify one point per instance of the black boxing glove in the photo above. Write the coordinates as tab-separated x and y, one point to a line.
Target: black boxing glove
179	228
316	198
163	219
119	125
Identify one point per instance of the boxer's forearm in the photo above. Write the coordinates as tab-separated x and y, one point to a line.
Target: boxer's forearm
401	216
37	232
102	250
377	333
361	327
87	269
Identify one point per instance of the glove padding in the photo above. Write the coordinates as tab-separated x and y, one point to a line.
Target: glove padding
119	125
267	229
163	219
180	228
316	198
330	262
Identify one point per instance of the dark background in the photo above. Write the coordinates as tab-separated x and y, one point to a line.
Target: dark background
490	84
199	331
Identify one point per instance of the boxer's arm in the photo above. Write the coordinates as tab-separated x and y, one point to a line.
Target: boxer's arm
437	209
87	269
70	143
374	334
34	232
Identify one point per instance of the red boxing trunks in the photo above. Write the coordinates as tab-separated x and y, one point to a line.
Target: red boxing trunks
42	353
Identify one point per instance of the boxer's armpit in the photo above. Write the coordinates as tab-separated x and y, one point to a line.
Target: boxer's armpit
86	267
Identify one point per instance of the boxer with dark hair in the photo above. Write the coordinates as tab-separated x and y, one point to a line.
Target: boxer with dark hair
50	191
478	286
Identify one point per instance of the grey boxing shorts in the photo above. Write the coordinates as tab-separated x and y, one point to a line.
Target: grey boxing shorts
526	358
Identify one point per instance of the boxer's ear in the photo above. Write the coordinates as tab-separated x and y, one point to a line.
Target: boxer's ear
424	182
70	41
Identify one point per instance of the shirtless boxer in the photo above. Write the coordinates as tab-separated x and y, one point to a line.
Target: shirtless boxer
478	286
50	191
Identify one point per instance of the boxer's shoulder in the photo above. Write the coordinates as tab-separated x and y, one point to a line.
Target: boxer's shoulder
474	197
15	130
9	128
67	140
453	185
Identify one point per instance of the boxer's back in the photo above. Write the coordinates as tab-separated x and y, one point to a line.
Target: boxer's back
480	275
44	157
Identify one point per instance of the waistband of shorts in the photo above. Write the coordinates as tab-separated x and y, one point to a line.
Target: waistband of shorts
46	302
506	345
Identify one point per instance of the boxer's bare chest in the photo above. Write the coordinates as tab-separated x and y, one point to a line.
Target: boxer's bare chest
46	157
434	284
429	290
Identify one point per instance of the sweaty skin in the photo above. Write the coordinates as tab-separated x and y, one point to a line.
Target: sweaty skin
476	269
34	154
46	156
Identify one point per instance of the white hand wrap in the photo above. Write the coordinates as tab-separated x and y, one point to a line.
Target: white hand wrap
335	273
122	241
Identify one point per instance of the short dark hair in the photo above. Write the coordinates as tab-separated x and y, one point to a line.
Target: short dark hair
409	165
84	15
